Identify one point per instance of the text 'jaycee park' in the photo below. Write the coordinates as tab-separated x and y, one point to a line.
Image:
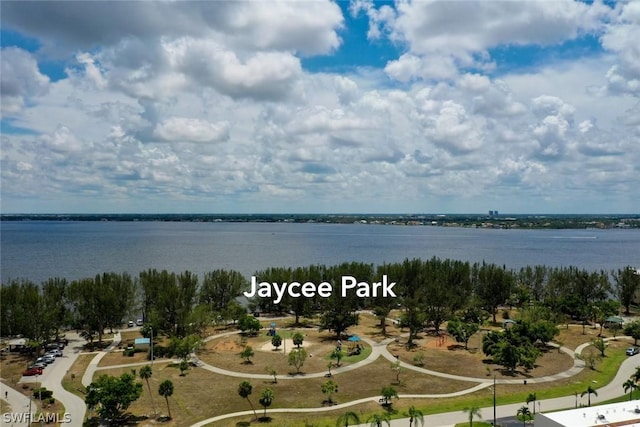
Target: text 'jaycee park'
384	288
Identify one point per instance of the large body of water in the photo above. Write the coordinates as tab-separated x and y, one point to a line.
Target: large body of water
37	250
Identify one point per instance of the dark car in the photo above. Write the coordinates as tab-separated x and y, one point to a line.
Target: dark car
32	371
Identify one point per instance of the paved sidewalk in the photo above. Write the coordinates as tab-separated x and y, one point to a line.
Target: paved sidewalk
87	378
19	404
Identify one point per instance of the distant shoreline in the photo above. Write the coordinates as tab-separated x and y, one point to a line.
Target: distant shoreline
506	221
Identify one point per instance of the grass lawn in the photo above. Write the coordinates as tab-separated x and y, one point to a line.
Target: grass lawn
72	381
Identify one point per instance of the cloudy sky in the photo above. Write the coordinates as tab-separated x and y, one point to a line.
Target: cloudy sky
320	106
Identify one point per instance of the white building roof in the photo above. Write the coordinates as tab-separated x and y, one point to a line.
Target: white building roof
614	414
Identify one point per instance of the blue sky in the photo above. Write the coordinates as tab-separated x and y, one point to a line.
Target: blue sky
355	106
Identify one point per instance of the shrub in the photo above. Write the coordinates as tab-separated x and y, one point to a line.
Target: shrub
159	351
42	393
418	359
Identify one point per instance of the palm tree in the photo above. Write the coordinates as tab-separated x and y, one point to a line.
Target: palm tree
532	398
266	398
145	374
525	413
589	391
376	420
630	384
415	414
474	411
636	374
343	420
166	390
244	390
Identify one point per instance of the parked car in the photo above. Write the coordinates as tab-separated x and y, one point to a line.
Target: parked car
632	351
32	371
48	358
139	322
40	365
55	353
130	324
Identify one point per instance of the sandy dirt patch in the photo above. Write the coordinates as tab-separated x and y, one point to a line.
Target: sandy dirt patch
287	344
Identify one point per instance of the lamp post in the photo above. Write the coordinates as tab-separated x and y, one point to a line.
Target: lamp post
494	400
151	341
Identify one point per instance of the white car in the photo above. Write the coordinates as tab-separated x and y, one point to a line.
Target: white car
48	358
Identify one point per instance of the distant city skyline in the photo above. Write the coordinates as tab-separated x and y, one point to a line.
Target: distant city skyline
320	107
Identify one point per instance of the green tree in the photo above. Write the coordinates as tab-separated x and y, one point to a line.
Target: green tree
376	420
492	285
266	399
183	366
88	303
447	285
220	288
166	390
525	414
346	418
600	345
630	385
388	393
338	312
337	355
589	391
532	398
627	284
462	331
413	295
329	388
113	395
249	325
397	369
244	391
271	371
247	353
276	341
381	304
633	330
473	411
415	415
297	357
145	373
297	338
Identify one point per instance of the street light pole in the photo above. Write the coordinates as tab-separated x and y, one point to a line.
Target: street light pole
494	400
151	329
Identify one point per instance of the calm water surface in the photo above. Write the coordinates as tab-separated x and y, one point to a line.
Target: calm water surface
37	250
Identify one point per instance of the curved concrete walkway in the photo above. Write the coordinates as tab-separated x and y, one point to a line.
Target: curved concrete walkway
87	377
445	419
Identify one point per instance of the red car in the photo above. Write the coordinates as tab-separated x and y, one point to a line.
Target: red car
32	371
